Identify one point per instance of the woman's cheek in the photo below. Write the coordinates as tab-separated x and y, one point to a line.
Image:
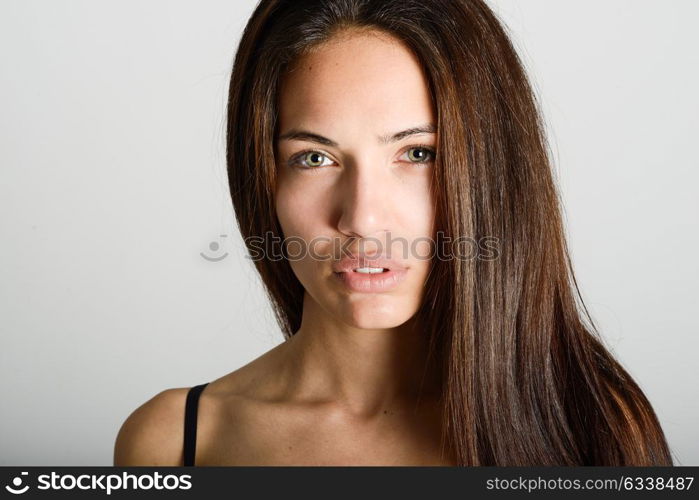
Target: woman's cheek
416	205
300	211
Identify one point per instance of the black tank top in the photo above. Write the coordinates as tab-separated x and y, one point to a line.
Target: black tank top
190	423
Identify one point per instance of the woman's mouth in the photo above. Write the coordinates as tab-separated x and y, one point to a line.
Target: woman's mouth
370	270
371	280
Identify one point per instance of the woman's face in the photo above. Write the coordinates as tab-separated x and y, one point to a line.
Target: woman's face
346	186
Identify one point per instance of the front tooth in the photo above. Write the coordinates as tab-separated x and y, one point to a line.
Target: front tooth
369	270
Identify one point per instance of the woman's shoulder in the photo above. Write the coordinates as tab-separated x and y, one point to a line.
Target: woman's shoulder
152	433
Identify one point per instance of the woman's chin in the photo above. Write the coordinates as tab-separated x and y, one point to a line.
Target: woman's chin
369	318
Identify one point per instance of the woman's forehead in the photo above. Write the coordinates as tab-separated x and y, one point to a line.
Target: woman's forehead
364	80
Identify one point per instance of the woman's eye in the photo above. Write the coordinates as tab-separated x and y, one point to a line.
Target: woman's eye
420	154
313	160
309	159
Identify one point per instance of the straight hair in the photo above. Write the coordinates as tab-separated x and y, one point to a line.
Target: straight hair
526	378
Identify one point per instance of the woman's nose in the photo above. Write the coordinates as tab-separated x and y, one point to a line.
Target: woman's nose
366	199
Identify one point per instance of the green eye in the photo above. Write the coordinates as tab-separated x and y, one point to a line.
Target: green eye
309	160
420	155
313	159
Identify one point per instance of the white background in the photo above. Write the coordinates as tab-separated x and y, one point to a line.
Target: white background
112	181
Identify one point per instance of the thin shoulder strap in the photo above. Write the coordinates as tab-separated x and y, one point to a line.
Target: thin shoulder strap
190	423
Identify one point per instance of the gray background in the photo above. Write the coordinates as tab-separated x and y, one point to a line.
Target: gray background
112	182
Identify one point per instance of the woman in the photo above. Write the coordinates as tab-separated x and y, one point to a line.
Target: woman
357	129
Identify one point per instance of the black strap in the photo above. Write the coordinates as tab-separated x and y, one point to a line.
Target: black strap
190	423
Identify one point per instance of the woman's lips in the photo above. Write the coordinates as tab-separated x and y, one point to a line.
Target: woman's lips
352	262
373	282
393	273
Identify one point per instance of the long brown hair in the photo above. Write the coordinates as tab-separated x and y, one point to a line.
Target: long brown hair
526	379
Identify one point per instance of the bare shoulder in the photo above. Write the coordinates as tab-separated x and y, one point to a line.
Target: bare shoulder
152	434
228	412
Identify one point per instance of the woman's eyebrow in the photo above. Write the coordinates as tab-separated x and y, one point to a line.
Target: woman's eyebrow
305	135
